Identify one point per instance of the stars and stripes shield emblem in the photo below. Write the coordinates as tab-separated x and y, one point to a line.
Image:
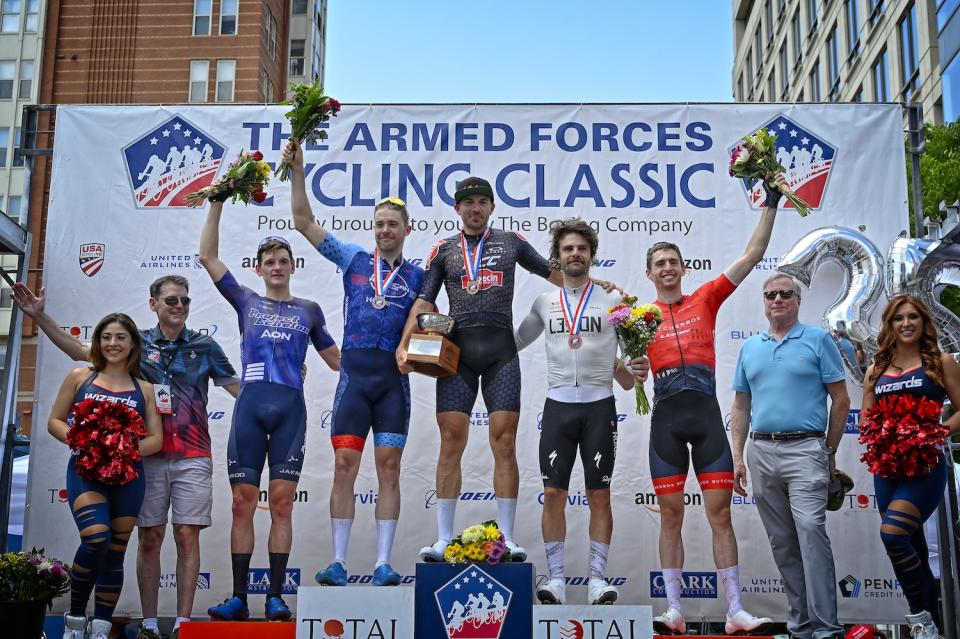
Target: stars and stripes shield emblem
807	159
171	161
473	605
91	258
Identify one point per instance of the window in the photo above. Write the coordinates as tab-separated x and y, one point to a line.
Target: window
6	301
17	158
945	12
226	73
296	57
758	47
876	9
811	16
797	39
270	30
10	16
815	83
782	7
858	96
33	16
740	95
228	17
784	75
13	207
750	75
199	72
26	79
317	64
880	93
853	29
7	71
951	91
909	59
202	13
833	63
4	143
299	7
772	86
266	86
770	29
1	204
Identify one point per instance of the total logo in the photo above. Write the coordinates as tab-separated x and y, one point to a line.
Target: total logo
876	587
82	332
258	581
597	626
430	497
861	502
577	498
57	495
651	503
353	628
853	422
299	496
169	580
582	581
696	585
171	262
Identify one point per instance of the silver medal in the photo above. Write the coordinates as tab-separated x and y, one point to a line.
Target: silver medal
473	287
378	302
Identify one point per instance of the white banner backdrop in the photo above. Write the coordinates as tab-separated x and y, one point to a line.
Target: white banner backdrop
639	173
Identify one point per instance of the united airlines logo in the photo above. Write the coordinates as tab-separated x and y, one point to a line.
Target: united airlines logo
473	604
91	258
172	160
807	158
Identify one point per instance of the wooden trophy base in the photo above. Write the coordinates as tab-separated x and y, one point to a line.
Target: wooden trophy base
433	355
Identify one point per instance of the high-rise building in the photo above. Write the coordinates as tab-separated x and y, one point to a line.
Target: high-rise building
948	25
308	35
841	51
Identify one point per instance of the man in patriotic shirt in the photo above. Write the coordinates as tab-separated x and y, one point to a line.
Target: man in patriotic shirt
378	290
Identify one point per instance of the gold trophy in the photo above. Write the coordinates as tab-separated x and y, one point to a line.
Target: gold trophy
430	352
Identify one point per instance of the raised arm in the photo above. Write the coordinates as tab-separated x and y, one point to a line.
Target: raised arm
760	239
210	243
32	306
153	442
303	219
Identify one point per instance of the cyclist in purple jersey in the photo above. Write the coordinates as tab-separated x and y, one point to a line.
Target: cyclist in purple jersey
379	289
270	415
477	268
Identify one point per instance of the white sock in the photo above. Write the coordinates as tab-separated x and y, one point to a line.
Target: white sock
554	558
673	584
180	620
598	558
446	510
506	514
341	539
151	623
386	529
730	578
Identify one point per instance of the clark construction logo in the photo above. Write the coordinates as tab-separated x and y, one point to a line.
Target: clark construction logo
806	157
169	162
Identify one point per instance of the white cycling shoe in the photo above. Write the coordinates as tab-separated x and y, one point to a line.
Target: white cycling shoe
553	592
744	623
434	553
599	592
670	622
517	553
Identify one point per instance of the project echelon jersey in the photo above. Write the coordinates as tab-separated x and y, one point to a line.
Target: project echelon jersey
274	335
363	325
492	305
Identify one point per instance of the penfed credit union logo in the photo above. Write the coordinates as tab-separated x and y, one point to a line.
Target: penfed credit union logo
170	161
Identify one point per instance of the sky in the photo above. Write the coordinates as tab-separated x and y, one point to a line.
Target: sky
423	51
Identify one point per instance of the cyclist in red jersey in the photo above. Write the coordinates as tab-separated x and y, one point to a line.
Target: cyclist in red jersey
686	421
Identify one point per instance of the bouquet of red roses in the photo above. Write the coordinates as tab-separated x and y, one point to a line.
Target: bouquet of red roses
902	434
310	109
243	180
106	437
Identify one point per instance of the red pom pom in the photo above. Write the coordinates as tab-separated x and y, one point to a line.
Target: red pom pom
106	435
902	434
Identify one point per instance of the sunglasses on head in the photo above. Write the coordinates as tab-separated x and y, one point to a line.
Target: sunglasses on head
785	294
171	300
273	238
392	200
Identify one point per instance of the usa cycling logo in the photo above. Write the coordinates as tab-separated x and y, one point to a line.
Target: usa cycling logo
170	161
91	258
807	158
473	604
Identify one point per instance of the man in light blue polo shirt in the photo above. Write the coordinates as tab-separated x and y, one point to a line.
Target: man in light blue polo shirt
782	380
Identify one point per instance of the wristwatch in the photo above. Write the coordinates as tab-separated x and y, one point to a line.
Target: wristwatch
831	450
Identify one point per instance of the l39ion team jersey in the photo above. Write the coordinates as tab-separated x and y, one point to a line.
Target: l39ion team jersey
274	334
683	354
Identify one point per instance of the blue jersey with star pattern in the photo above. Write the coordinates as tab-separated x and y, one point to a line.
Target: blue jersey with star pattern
274	335
363	325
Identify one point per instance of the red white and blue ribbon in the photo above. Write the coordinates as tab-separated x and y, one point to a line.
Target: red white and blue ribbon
571	317
379	285
471	263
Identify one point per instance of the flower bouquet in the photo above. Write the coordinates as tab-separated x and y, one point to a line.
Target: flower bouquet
32	576
477	544
903	435
243	181
105	437
635	326
755	158
310	109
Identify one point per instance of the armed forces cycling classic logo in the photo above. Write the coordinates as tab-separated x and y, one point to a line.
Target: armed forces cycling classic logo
171	161
473	605
806	158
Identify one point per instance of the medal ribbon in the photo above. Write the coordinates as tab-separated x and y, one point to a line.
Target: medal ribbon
379	286
471	264
572	319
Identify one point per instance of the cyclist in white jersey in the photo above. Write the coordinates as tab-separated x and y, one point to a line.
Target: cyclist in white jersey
579	412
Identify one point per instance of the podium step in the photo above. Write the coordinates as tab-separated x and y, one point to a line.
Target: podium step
238	630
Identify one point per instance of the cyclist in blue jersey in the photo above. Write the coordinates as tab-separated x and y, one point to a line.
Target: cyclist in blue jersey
379	288
269	421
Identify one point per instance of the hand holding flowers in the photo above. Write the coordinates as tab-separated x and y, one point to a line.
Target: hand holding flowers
636	326
755	158
310	109
244	180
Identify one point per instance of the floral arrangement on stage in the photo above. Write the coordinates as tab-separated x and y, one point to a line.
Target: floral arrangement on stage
244	180
755	158
903	435
478	544
310	109
105	437
32	576
635	325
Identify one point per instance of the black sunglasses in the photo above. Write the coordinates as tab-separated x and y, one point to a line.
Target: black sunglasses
171	300
785	294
